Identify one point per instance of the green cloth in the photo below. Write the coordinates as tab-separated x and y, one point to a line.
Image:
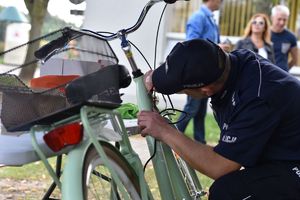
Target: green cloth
128	110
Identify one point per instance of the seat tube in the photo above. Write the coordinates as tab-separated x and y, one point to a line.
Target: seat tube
144	103
169	178
159	163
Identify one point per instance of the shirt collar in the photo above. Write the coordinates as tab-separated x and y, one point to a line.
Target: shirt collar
218	98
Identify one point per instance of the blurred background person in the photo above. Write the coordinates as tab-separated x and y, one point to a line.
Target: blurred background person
257	37
200	25
284	41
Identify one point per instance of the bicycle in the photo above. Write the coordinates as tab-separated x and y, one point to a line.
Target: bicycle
99	150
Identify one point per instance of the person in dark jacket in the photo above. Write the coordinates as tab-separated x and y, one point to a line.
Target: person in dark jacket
256	106
257	37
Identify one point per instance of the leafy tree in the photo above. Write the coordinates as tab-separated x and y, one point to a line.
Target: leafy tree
37	10
52	23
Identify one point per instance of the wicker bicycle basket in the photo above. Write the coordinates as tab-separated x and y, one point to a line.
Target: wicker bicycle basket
22	103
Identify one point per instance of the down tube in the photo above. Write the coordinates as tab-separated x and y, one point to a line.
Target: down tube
160	165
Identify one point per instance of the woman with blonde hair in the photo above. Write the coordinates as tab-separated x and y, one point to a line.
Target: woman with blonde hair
257	37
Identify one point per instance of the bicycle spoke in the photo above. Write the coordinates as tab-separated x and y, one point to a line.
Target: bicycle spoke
101	176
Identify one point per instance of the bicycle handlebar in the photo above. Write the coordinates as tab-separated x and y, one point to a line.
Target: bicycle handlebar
53	45
170	1
69	33
141	17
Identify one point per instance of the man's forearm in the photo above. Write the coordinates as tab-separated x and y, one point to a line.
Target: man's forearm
200	156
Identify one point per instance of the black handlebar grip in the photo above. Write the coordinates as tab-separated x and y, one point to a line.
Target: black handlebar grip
170	1
50	47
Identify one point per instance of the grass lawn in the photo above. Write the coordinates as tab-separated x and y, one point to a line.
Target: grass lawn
211	128
36	171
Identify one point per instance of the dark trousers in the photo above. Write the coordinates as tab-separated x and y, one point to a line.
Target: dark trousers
276	181
196	110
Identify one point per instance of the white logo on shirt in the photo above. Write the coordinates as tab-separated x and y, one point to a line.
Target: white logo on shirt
225	126
233	100
297	171
167	66
248	197
229	139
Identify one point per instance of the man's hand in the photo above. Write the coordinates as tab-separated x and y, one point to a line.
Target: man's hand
148	81
200	156
225	47
151	123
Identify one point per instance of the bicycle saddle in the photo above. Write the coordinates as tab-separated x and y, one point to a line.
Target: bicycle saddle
102	85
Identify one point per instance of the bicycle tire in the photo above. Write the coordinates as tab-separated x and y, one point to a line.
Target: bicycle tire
99	184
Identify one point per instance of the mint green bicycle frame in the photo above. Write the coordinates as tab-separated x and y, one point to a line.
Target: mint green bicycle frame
170	178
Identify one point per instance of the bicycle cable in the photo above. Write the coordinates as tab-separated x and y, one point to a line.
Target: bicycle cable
169	99
157	33
155	53
155	141
148	64
151	157
145	59
173	110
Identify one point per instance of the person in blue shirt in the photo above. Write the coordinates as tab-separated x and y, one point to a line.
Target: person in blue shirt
200	25
284	41
256	105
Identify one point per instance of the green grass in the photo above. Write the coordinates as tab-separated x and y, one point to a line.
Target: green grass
212	130
32	171
28	182
36	170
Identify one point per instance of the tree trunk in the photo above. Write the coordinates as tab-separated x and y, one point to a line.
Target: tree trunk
37	10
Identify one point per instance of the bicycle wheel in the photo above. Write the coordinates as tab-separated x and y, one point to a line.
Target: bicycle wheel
98	182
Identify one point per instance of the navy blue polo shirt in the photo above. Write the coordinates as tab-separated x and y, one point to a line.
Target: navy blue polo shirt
283	42
258	112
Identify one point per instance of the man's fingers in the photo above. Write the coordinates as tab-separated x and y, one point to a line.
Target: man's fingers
148	122
144	132
148	80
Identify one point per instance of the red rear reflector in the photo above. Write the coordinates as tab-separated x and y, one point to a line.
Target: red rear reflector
61	137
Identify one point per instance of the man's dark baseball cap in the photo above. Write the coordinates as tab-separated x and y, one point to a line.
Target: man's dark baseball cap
191	64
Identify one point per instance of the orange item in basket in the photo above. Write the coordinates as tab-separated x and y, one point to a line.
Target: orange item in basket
51	81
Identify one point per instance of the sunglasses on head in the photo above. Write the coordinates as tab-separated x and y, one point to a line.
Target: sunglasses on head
261	23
